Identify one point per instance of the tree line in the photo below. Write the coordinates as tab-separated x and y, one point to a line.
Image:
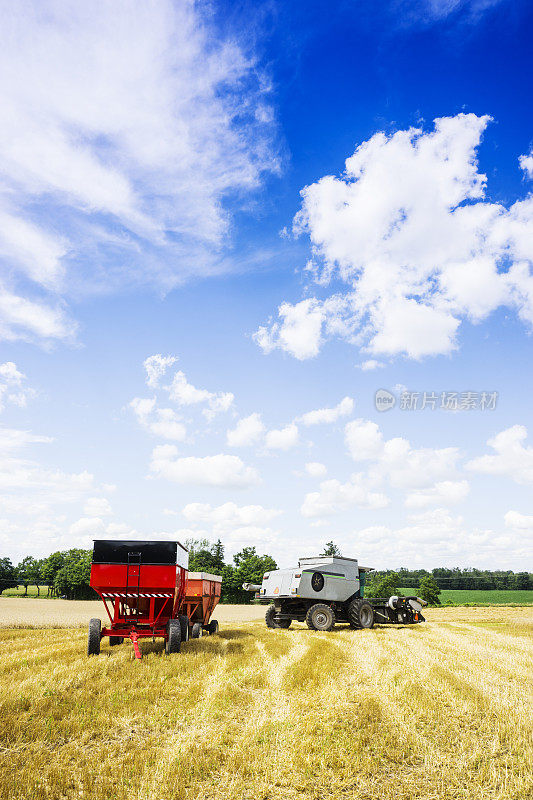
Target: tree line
66	574
471	578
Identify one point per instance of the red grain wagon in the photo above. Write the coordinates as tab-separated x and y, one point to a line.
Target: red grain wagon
142	585
202	594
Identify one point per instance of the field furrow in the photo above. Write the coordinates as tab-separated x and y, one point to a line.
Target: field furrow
441	711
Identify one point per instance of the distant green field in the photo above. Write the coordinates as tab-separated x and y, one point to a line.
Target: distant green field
19	592
491	597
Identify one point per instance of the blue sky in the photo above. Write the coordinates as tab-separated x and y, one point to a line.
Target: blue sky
192	339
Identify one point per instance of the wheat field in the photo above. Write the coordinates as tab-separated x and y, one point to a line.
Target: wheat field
435	711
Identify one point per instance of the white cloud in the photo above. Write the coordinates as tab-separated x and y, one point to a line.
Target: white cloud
437	537
526	163
12	389
334	497
237	526
32	320
120	530
163	422
185	394
407	229
227	472
156	367
442	493
521	522
511	457
31	484
13	439
371	364
404	466
167	425
282	439
97	507
299	332
126	127
431	11
10	374
247	431
327	415
218	404
364	439
229	515
87	528
315	469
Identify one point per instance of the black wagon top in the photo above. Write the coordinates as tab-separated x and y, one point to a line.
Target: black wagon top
120	551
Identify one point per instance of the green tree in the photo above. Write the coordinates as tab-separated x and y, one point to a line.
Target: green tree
51	567
8	574
205	557
429	591
29	573
331	549
384	585
72	580
248	567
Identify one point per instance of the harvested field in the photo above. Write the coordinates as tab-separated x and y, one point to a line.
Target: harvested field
433	712
45	613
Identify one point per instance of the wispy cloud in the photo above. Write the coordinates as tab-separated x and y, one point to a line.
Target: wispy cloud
128	131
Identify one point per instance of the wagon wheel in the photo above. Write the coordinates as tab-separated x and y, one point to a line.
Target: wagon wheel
197	630
113	640
184	622
93	641
173	642
213	627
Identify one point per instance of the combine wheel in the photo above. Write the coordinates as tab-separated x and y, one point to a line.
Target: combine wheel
320	617
360	613
213	627
113	640
269	617
271	622
184	622
93	642
173	642
197	630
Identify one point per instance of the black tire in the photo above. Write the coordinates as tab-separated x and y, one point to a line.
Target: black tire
113	640
184	622
213	627
173	642
271	622
269	616
360	613
197	630
320	617
93	641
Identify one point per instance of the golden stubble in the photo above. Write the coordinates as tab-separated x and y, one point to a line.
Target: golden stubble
433	712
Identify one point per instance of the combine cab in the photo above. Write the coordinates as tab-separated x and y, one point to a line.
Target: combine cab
142	585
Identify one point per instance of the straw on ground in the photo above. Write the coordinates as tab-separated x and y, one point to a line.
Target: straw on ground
442	710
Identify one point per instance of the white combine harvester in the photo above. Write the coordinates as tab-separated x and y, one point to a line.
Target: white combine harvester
324	590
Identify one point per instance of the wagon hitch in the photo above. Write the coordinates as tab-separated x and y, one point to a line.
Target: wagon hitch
134	640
